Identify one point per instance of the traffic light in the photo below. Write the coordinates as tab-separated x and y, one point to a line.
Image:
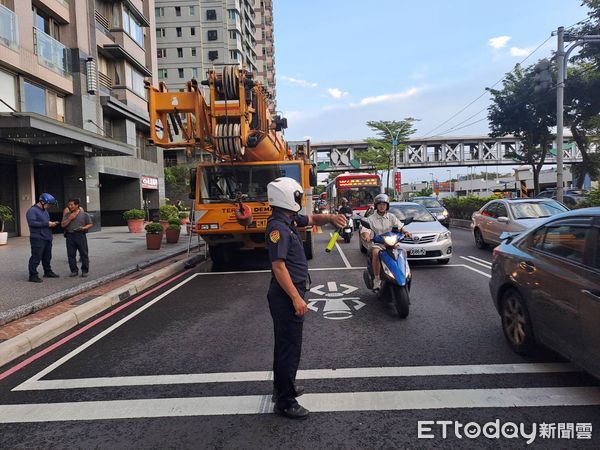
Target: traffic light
543	76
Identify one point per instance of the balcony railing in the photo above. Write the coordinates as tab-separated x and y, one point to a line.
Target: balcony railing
51	53
105	81
8	28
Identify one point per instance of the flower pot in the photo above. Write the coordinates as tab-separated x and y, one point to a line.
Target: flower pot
3	238
164	224
172	236
153	241
135	225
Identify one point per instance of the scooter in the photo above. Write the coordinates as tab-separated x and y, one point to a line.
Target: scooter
347	231
395	272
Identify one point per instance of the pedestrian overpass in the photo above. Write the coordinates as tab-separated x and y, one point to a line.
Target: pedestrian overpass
452	151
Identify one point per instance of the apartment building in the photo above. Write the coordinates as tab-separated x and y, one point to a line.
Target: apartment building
265	48
73	110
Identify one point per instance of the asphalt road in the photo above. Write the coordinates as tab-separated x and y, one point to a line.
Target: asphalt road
187	366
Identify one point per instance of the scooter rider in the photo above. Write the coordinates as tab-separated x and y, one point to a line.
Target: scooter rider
381	222
345	208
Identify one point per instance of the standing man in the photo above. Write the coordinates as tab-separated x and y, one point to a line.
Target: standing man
76	223
40	237
289	283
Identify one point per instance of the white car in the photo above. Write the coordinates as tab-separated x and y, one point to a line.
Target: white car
430	239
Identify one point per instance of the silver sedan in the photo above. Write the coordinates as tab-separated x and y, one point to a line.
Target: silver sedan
512	215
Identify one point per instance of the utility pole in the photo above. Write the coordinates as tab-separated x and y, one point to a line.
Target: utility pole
560	99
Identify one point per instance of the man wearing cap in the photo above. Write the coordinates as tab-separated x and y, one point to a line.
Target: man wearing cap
289	283
40	237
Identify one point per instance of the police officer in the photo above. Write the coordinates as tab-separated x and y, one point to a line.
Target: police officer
40	237
288	286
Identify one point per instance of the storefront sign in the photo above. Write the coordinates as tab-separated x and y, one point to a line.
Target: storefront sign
149	182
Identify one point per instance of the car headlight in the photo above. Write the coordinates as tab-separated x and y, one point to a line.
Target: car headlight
445	213
390	241
443	236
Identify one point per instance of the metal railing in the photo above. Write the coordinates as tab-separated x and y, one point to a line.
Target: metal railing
51	53
104	80
8	28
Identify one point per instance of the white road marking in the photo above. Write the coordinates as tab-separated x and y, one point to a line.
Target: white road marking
481	260
476	262
332	285
478	271
307	374
328	402
346	262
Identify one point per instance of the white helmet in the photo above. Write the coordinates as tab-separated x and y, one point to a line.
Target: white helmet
285	193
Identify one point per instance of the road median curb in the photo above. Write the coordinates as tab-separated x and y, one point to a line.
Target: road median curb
33	338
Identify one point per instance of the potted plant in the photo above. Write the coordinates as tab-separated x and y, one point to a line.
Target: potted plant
135	220
154	233
6	215
173	231
165	213
184	217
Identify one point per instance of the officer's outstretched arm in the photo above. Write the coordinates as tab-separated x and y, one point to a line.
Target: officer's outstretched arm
285	281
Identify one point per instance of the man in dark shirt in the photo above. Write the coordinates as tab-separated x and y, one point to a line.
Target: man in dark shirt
76	222
40	237
288	286
345	208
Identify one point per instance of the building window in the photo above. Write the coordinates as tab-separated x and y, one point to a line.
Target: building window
178	31
213	55
159	12
193	51
132	27
162	74
233	54
178	11
180	71
180	53
194	73
232	13
211	14
35	98
232	34
160	32
137	83
192	10
212	35
192	31
161	53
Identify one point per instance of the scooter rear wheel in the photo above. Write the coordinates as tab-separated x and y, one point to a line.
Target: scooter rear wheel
401	300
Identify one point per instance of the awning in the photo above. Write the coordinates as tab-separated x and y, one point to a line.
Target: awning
44	134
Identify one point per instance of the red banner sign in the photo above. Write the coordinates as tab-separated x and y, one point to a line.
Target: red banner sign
149	182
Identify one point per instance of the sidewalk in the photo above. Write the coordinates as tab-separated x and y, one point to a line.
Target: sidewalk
114	252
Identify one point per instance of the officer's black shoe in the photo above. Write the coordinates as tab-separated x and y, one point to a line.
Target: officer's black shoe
84	274
299	392
74	274
50	275
296	411
35	279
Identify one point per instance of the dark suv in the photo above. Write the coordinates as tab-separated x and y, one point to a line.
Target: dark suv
436	209
546	287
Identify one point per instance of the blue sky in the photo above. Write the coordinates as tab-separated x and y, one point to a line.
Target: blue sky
341	63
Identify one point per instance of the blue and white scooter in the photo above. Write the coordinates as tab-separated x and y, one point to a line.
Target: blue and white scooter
395	272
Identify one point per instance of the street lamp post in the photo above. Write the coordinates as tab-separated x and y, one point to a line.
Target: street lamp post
449	179
394	151
432	182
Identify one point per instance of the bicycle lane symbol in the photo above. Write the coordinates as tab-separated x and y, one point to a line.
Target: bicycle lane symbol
335	303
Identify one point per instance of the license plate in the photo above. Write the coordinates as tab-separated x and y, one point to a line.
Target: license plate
347	230
417	252
261	223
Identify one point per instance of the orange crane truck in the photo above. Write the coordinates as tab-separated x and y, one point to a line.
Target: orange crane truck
248	151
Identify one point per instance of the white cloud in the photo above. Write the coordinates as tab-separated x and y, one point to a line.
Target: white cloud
516	51
336	93
389	97
499	41
298	82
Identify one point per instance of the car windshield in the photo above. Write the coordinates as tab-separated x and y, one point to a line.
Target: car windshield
536	210
427	202
417	212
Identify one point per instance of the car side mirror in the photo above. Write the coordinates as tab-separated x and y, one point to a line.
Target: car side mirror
503	219
409	220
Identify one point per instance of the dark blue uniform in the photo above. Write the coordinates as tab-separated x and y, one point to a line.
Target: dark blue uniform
40	238
284	243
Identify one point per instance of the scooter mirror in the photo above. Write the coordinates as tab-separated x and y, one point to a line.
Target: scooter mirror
365	224
395	229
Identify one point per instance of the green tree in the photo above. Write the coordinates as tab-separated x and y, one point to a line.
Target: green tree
177	182
379	153
518	111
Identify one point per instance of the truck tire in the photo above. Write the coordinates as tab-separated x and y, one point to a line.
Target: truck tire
309	246
220	254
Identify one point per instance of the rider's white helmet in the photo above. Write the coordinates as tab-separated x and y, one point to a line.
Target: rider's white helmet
285	193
